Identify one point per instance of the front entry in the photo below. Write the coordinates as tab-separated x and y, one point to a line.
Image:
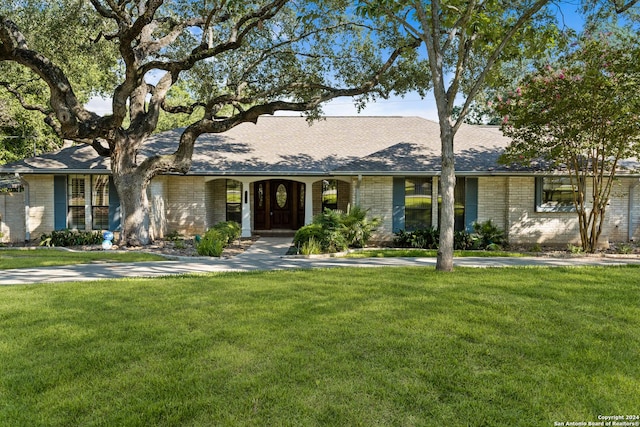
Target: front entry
278	204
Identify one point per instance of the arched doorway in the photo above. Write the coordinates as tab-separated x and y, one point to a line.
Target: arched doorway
278	204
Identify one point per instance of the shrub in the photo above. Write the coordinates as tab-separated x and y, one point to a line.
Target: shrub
335	232
358	227
68	237
173	236
212	243
311	247
402	239
423	238
462	240
230	229
487	234
306	233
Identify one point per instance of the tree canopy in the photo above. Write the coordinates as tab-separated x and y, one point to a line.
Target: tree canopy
580	116
466	43
220	63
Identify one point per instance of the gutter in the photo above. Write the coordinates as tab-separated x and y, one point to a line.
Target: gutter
27	207
631	208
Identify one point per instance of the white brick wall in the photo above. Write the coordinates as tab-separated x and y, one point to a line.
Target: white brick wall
216	201
157	195
492	203
185	204
376	194
12	226
41	209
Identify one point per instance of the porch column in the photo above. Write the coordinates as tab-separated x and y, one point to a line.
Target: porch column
308	201
246	208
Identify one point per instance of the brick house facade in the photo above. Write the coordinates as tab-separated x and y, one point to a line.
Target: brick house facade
276	175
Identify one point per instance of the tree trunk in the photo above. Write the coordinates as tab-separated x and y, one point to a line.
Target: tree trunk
447	189
134	203
131	182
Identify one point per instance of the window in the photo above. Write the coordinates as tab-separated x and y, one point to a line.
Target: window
329	194
459	201
234	201
100	202
76	202
555	194
417	203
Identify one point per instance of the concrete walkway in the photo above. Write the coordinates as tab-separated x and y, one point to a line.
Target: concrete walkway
269	254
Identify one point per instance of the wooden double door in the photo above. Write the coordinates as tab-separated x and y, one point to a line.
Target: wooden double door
278	204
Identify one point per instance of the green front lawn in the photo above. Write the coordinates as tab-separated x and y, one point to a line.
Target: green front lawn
18	258
344	347
426	253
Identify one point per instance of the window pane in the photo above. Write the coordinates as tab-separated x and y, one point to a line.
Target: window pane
100	215
417	202
234	191
100	190
329	194
76	190
557	191
76	217
76	202
234	212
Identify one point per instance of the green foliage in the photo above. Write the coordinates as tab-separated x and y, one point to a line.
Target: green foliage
487	235
307	233
311	247
580	114
173	236
574	249
359	227
230	230
622	248
212	243
335	232
423	238
463	240
66	237
217	238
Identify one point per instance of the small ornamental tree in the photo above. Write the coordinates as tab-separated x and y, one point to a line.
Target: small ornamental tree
580	117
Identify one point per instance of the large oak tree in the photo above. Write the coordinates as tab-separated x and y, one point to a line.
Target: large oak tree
235	61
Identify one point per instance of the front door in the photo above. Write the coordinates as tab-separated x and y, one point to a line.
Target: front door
278	205
281	205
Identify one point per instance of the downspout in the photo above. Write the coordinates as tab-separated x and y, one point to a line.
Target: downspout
631	208
27	208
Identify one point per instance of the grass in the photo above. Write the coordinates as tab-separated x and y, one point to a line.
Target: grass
18	258
426	253
390	346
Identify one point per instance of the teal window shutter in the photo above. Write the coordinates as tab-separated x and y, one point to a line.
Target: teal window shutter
59	202
398	204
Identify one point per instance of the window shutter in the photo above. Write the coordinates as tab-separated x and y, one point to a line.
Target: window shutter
398	204
59	202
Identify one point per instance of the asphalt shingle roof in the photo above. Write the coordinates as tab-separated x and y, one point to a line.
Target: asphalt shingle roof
282	144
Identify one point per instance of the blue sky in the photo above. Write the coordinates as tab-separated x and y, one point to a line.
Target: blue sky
409	105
